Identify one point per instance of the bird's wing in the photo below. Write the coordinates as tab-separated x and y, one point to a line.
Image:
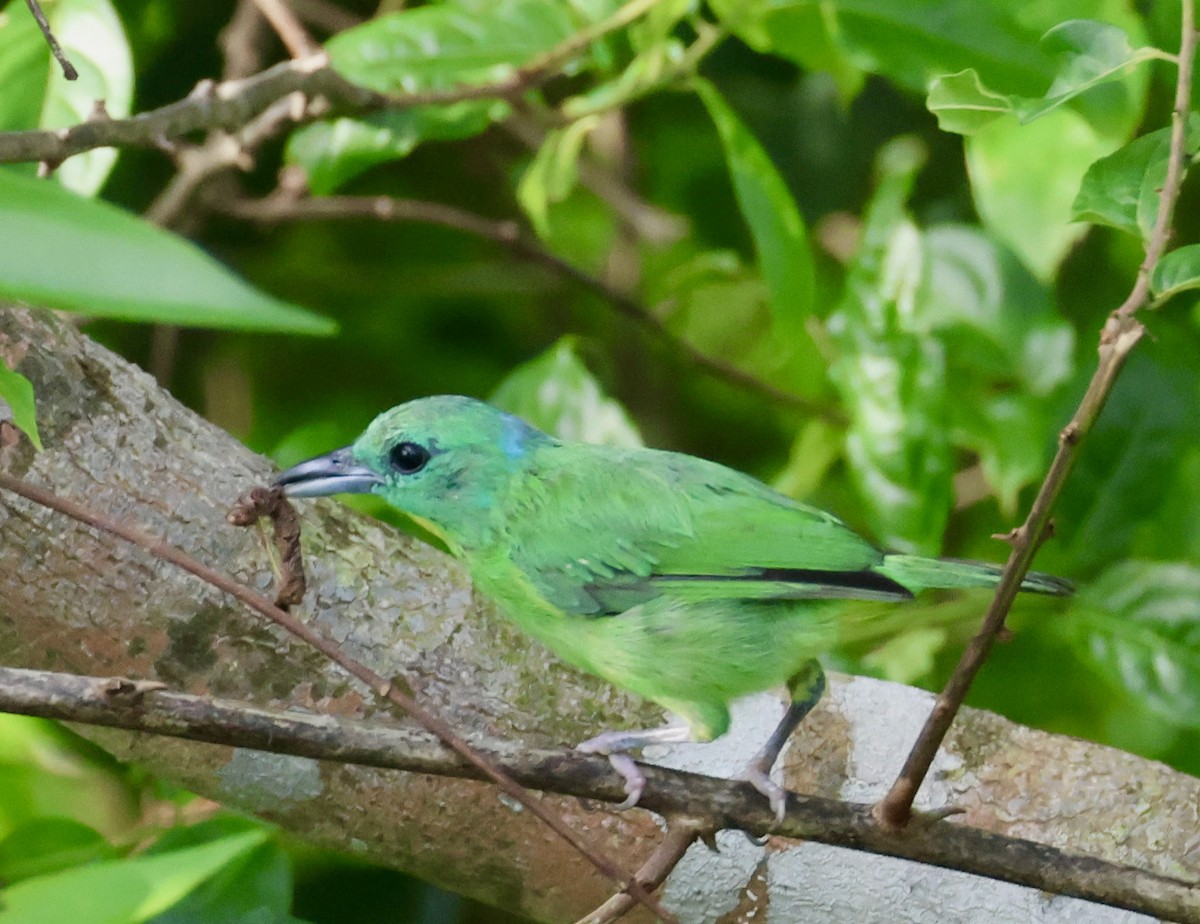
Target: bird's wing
600	530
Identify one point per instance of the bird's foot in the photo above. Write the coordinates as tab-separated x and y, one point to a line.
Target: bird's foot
760	779
613	746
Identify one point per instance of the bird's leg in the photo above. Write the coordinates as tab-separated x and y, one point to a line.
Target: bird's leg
805	687
614	744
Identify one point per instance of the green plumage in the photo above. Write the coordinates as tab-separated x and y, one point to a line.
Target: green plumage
677	578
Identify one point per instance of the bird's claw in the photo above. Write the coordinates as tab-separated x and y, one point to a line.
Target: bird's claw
635	780
776	794
608	744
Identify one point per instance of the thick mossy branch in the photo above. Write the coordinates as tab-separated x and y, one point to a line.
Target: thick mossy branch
81	602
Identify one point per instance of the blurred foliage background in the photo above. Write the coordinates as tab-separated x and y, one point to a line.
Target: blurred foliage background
860	249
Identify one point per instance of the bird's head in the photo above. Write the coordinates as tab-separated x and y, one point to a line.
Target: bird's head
445	460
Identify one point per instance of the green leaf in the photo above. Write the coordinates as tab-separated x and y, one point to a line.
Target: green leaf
47	844
1177	271
1026	201
128	891
807	34
1006	348
721	306
1139	624
1009	432
1128	473
554	172
815	449
438	47
977	290
890	373
75	254
451	44
37	95
17	392
253	888
1120	190
1092	53
907	657
336	151
558	394
963	104
908	42
644	73
780	238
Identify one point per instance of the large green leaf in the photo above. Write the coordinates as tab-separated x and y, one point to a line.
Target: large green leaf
780	238
66	252
558	394
457	43
1006	348
1139	624
977	290
17	392
1026	201
909	41
891	375
37	95
125	891
1091	54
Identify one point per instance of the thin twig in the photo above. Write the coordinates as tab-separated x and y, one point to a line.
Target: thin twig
240	41
1121	333
508	233
291	32
707	803
324	15
60	56
381	686
681	834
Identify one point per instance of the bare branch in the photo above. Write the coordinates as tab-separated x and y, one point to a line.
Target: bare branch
240	41
681	834
694	803
68	68
289	29
1120	335
324	15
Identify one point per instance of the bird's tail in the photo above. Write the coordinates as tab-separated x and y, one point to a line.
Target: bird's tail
918	573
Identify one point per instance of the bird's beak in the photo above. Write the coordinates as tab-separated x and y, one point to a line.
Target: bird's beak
334	473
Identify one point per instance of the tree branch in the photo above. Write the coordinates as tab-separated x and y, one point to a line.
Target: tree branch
289	29
68	69
697	803
1120	335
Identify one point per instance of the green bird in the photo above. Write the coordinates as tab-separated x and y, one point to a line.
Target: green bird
684	581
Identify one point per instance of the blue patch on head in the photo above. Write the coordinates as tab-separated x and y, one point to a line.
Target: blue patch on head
516	436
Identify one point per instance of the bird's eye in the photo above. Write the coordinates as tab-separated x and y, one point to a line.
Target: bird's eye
408	458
